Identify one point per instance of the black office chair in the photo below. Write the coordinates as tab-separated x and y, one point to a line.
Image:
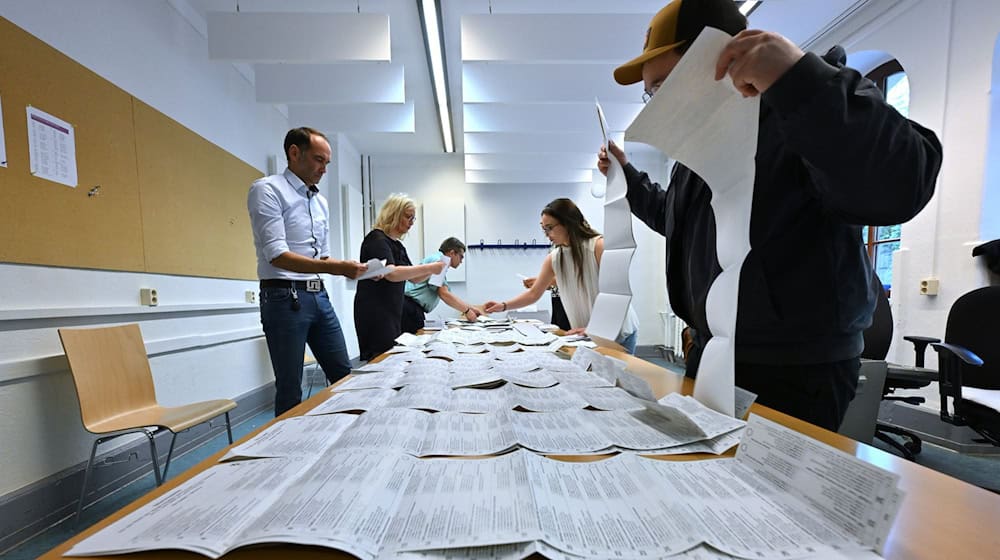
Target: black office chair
970	358
877	338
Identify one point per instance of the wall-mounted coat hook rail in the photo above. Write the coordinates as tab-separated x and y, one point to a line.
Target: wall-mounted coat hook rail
517	244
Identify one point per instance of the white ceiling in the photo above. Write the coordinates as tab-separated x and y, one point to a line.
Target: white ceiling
522	74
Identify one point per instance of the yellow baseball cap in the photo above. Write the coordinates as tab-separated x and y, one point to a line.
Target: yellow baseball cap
680	22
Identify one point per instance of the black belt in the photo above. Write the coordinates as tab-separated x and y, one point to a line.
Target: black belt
315	285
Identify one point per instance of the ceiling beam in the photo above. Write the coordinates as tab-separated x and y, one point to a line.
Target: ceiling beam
356	117
278	37
330	83
611	38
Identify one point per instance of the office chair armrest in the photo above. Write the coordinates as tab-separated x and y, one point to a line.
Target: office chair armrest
962	353
920	347
951	359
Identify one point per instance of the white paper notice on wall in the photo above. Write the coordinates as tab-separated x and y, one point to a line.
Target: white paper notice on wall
712	129
51	148
3	142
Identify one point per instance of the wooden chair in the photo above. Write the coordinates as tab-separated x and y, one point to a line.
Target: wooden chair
115	388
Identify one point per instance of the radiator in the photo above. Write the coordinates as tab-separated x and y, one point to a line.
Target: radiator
673	326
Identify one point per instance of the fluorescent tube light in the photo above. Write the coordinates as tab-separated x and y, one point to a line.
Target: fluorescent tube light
434	42
748	6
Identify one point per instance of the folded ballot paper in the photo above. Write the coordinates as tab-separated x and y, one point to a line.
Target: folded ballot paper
784	495
376	267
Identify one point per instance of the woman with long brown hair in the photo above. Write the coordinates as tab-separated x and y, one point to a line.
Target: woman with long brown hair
574	264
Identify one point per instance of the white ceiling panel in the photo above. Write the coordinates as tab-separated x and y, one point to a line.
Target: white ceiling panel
543	175
800	20
270	37
330	83
360	117
534	142
522	74
543	37
547	117
484	162
544	83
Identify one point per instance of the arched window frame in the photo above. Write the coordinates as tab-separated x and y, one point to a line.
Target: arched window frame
870	234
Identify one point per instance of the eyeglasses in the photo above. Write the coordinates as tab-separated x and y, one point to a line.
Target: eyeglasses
549	228
648	94
411	219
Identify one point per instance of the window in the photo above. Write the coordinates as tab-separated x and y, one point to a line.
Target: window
882	241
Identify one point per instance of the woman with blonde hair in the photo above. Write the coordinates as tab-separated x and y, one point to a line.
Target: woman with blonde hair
378	304
573	264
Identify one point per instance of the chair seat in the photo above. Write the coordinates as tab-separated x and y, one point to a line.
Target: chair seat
909	377
990	398
174	418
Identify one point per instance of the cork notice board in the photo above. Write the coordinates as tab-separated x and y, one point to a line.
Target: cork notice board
168	201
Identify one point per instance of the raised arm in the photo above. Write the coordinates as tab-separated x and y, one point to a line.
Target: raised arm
871	165
647	200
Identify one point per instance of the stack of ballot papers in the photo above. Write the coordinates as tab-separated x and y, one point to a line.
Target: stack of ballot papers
784	495
506	397
505	334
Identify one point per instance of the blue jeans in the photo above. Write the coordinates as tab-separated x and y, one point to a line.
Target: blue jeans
288	330
629	341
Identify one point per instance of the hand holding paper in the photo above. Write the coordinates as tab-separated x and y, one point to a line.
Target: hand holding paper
438	278
376	269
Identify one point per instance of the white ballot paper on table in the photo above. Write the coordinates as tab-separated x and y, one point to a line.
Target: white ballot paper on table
299	436
784	496
708	126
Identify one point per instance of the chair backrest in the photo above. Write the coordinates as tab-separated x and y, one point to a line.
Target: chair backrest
974	322
878	336
110	370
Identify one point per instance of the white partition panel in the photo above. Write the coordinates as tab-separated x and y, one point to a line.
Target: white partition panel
444	218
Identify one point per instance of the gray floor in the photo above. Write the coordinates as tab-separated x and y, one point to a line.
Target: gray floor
43	542
983	471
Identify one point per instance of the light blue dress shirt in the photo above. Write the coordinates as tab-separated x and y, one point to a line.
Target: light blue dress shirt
286	216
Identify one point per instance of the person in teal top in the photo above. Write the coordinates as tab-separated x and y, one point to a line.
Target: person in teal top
422	297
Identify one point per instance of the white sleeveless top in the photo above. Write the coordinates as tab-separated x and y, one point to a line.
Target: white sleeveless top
578	296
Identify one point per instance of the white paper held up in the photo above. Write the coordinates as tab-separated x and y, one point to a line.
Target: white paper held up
712	129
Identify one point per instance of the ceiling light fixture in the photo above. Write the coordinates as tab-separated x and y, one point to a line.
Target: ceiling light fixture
748	6
430	17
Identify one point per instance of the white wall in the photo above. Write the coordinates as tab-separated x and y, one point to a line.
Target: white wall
946	48
989	227
152	52
343	173
512	212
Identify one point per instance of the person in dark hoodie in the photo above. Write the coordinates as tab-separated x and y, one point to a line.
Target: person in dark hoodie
831	156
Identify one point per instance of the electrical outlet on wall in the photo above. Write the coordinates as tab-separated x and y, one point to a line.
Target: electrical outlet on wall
250	296
147	296
929	287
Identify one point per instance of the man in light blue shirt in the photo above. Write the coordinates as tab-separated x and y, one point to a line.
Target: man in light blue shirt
423	297
290	221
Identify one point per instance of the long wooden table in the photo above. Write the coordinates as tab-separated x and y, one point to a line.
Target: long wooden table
941	517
